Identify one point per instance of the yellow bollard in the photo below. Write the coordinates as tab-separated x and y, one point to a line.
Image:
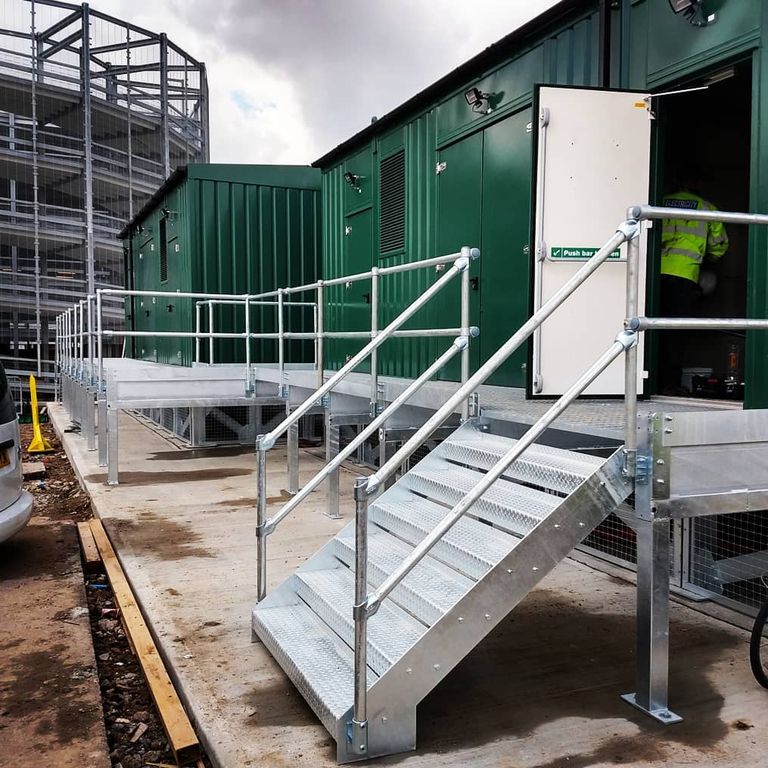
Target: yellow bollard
39	444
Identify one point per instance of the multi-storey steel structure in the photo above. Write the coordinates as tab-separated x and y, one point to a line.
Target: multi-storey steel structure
95	113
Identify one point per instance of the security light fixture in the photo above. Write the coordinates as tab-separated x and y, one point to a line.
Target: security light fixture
477	100
353	180
693	10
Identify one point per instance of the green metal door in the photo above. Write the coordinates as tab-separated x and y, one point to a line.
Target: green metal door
504	263
349	305
459	198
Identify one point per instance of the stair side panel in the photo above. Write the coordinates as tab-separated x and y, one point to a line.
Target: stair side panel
447	642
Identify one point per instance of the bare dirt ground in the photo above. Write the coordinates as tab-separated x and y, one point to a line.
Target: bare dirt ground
72	693
50	705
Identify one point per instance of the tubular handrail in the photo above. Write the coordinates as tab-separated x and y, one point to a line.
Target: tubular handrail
624	341
459	344
626	231
461	264
366	604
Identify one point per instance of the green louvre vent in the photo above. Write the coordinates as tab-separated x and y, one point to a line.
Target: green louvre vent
392	231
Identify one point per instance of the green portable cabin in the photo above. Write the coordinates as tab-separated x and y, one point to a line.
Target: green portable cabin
437	173
222	229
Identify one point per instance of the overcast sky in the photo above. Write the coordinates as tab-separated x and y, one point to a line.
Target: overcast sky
290	79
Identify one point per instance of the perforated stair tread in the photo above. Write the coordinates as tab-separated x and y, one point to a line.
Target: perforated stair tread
391	631
470	546
429	591
511	506
541	465
320	665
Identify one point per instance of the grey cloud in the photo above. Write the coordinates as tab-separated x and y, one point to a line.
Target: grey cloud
347	59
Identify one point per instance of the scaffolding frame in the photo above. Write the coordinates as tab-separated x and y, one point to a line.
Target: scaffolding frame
99	107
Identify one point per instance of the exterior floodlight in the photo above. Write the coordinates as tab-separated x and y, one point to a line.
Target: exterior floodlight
477	100
353	180
678	6
693	10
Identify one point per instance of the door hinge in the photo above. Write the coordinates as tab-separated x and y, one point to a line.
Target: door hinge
440	167
347	230
541	251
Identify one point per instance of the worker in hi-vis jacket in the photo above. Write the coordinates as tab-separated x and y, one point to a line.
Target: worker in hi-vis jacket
685	245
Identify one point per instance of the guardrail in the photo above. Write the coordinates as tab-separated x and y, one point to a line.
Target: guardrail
367	604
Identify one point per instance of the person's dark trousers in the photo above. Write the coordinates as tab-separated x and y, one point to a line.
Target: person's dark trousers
679	298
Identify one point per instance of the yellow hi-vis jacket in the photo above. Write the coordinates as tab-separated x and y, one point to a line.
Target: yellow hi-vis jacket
686	243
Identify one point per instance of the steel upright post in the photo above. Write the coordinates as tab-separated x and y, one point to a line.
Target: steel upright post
247	304
319	341
261	519
197	331
630	359
652	587
374	331
465	360
281	337
359	730
85	84
164	106
210	333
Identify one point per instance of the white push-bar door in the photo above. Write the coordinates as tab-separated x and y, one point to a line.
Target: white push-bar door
592	162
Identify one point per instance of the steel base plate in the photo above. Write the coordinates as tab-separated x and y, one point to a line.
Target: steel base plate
663	716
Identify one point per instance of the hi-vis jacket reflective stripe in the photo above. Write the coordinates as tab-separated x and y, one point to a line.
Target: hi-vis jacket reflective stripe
685	243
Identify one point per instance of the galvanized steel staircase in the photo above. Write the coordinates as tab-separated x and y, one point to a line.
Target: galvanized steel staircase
528	521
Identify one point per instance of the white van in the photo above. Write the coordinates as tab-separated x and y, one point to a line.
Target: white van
15	502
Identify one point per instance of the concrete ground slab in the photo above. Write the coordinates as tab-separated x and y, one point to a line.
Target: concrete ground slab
541	692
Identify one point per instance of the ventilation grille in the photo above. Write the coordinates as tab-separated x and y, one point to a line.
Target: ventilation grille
163	251
392	235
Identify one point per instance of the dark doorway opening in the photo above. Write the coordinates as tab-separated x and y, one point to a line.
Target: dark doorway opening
709	132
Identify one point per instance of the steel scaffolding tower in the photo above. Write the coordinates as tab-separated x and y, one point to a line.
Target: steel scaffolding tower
95	113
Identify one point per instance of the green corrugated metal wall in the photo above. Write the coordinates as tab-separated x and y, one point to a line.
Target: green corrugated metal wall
483	197
239	229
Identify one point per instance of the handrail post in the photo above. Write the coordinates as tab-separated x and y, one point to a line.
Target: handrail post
319	338
90	338
99	345
197	331
247	304
210	333
465	361
374	331
261	519
359	731
630	358
281	338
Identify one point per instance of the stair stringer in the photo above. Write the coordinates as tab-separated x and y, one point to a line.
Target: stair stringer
392	699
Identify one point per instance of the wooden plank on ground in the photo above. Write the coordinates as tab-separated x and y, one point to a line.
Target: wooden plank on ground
32	470
91	556
178	728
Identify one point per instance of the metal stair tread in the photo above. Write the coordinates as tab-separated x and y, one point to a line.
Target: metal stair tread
330	594
511	506
546	466
429	591
470	547
320	665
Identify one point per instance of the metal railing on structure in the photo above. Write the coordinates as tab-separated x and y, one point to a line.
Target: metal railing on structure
651	693
81	336
460	263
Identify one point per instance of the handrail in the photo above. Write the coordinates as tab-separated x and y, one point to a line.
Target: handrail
459	344
625	232
366	605
267	441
